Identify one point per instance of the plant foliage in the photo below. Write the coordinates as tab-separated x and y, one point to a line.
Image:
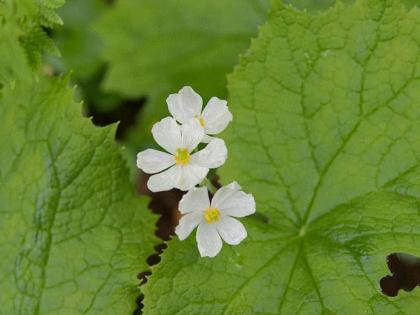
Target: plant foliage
326	136
73	233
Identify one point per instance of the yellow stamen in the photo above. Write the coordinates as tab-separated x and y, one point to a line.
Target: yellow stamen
212	215
200	119
182	157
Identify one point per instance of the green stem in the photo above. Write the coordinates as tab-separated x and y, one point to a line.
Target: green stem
207	183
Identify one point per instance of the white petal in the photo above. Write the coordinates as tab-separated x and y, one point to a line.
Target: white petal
195	200
212	156
224	193
206	139
153	161
230	200
208	240
185	104
167	134
231	230
239	205
164	181
191	175
216	116
187	224
192	133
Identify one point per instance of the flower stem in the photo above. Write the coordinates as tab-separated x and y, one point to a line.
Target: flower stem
206	182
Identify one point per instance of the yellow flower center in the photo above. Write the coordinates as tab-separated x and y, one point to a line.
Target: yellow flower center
212	215
200	119
182	157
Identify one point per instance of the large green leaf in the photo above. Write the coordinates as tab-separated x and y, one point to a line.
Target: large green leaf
154	47
326	135
73	234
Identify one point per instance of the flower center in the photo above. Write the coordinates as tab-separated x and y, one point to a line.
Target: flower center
200	119
212	215
182	157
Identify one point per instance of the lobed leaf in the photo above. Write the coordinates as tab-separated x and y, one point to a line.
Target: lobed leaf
326	135
73	233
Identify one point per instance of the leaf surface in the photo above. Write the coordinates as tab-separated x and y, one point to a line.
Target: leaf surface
73	233
326	135
315	6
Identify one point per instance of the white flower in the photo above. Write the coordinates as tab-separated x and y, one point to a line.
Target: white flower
214	219
181	169
187	104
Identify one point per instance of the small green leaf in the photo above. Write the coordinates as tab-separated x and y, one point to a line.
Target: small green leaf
326	135
155	47
73	233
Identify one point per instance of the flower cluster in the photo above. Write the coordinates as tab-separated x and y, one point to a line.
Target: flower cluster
184	166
